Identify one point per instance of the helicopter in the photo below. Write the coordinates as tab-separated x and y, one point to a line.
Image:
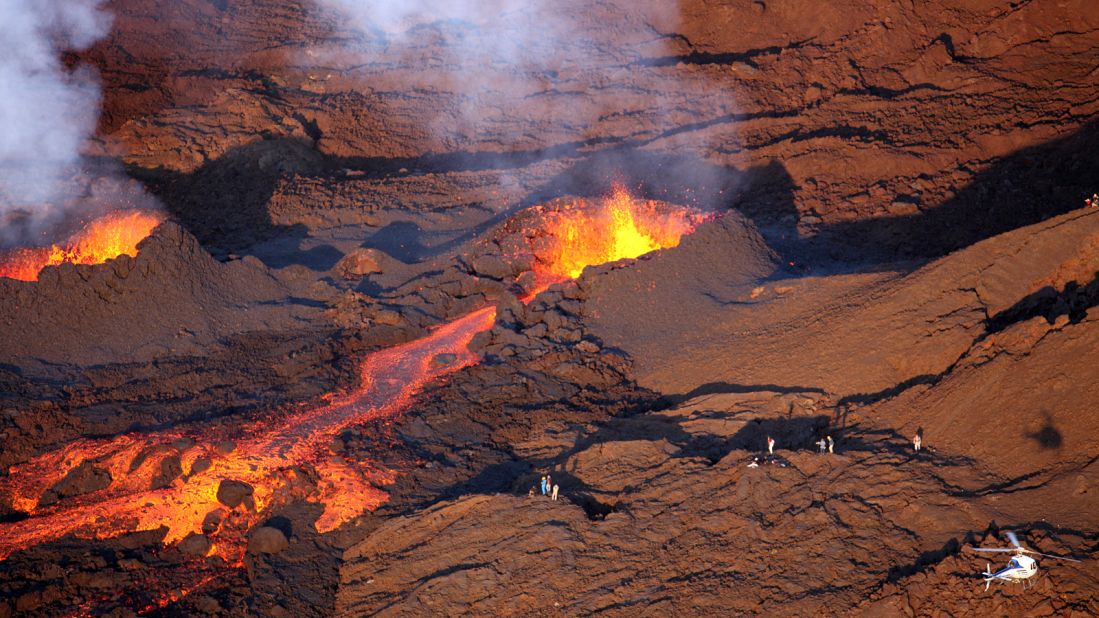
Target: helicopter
1020	568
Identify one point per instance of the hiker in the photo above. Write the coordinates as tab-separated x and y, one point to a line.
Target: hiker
917	440
549	484
544	488
555	487
530	494
831	445
770	445
820	444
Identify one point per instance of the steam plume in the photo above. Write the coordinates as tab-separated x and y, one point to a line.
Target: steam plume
46	110
514	78
494	67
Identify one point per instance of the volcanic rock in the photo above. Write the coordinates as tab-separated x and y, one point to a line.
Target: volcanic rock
494	267
360	263
232	493
170	469
267	540
200	464
646	500
212	521
83	479
206	604
195	545
99	314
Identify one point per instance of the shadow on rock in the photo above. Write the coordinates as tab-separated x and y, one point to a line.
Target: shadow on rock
224	203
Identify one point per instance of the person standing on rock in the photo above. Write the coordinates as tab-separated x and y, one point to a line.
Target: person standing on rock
555	487
917	441
770	445
820	444
831	445
544	485
549	484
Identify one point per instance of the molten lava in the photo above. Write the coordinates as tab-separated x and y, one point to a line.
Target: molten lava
614	228
110	236
288	458
279	461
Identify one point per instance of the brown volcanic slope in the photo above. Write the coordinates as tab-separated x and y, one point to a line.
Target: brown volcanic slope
859	118
851	334
853	134
662	516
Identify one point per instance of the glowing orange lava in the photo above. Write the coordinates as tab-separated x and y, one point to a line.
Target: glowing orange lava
110	236
268	457
614	228
288	458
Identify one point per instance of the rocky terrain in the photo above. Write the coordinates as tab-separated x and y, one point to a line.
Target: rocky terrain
662	515
894	243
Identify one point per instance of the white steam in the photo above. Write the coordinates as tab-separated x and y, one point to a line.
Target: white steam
46	110
495	67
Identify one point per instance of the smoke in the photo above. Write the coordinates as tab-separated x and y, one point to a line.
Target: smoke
47	111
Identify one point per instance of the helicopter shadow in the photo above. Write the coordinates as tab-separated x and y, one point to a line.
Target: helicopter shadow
1048	436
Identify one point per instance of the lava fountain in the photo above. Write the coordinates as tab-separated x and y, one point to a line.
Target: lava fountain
589	232
181	480
107	237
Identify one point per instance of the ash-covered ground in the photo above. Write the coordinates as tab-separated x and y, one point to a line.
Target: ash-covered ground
891	241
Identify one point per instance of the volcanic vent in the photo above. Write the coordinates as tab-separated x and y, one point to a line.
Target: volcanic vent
114	234
557	240
209	486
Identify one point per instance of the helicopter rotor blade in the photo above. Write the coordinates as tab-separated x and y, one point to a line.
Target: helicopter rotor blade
1038	553
1014	539
989	549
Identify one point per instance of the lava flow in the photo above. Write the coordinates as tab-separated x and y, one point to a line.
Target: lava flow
221	483
263	464
107	237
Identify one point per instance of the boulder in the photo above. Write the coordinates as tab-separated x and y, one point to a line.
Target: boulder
83	479
212	521
232	493
201	464
195	545
360	263
492	266
267	540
